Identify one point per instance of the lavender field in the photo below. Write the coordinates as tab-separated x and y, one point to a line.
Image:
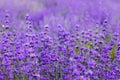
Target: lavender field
59	39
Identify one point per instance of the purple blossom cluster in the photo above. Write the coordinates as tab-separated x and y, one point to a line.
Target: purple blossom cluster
32	54
60	45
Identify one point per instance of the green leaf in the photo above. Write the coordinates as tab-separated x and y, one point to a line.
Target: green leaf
77	50
88	44
113	52
16	78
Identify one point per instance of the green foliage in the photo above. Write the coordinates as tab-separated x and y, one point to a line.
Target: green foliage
113	52
77	50
88	44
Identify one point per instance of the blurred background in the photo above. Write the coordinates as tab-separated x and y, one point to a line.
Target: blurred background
62	11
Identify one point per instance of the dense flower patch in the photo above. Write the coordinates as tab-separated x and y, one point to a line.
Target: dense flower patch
31	54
